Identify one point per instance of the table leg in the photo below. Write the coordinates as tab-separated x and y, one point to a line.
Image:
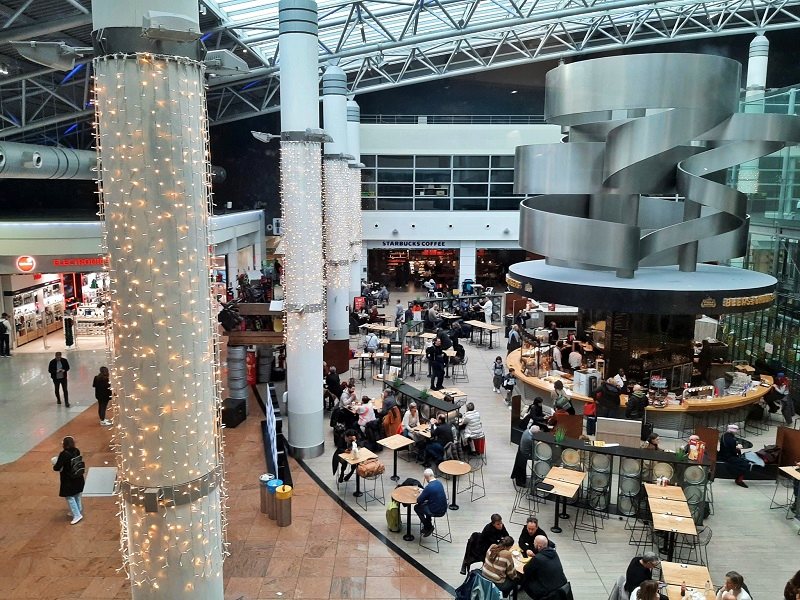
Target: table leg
671	546
564	514
556	528
362	371
490	338
358	493
453	505
408	537
395	477
413	360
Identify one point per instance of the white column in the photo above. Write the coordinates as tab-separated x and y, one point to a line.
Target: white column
301	198
354	150
337	188
152	141
748	173
466	261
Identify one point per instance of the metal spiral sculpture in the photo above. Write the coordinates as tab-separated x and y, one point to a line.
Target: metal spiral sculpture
640	128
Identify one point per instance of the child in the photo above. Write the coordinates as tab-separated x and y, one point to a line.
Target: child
509	383
498	371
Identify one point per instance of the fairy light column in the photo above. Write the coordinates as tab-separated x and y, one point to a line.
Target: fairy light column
152	143
301	199
336	188
354	212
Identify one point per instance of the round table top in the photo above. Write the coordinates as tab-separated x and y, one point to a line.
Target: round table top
406	494
454	467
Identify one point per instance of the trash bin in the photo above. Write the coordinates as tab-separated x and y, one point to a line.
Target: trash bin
263	480
283	505
272	485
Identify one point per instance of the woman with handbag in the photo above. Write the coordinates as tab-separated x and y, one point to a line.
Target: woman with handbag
560	399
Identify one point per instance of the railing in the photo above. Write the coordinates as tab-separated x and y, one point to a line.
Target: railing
453	119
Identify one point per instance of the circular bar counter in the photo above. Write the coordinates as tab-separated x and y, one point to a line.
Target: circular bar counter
693	412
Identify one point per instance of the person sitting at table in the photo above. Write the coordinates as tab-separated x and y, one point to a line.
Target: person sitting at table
441	435
456	332
734	584
346	445
347	397
792	589
479	543
374	315
392	421
411	419
693	440
528	535
536	413
365	412
498	565
471	427
653	442
543	574
640	569
460	354
730	452
432	502
648	590
388	401
371	342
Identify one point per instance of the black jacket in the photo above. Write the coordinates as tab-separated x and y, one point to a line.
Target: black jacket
52	368
102	388
70	486
334	384
609	398
543	574
636	406
636	574
727	447
526	539
490	535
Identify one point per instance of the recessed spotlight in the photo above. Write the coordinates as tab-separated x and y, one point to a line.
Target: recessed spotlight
514	91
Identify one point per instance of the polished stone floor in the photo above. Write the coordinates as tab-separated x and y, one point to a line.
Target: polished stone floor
48	558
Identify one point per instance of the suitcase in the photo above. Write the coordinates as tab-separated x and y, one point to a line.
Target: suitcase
233	411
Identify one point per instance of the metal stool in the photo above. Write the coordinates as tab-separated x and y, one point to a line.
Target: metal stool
371	496
438	535
459	371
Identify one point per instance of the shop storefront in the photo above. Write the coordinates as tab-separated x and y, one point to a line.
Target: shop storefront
491	265
406	265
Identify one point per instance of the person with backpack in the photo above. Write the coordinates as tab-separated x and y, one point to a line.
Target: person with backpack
371	342
498	371
5	336
70	464
509	383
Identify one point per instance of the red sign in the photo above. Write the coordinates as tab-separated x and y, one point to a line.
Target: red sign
26	264
359	302
91	261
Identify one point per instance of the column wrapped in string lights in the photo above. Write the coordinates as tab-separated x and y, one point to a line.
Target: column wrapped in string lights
301	199
336	191
354	206
152	142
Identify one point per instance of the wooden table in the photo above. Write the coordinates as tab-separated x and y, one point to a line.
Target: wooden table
673	525
793	472
407	494
371	355
481	327
667	492
423	429
413	355
395	442
695	576
363	455
440	394
454	468
674	593
679	508
520	560
566	483
384	328
427	335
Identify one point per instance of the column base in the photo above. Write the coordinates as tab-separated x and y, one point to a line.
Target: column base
303	453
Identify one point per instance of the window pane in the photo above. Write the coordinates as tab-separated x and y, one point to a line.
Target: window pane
429	175
433	162
505	204
395	175
395	203
368	175
502	162
471	162
395	190
401	162
470	190
368	160
503	176
367	203
501	190
471	176
469	203
368	189
432	203
431	189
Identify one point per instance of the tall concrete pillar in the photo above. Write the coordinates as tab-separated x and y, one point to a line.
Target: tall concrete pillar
758	59
301	197
354	150
152	143
336	186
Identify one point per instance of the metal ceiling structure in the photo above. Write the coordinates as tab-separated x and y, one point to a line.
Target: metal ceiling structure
379	44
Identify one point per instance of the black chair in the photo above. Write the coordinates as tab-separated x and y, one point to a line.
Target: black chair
562	593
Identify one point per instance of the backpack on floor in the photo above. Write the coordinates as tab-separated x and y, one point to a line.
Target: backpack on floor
393	516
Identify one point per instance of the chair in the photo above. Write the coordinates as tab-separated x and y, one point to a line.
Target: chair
439	533
690	544
586	517
788	488
459	371
371	496
562	593
618	591
476	463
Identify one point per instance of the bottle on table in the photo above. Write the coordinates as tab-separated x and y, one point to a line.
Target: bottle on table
683	589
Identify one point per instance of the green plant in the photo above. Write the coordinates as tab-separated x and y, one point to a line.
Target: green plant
397	382
560	434
680	455
424	395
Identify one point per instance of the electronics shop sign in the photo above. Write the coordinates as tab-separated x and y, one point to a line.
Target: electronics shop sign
26	264
414	244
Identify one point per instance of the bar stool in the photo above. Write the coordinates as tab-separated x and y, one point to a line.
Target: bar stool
440	534
371	495
459	371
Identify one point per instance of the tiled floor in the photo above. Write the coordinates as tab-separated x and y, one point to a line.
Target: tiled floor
47	558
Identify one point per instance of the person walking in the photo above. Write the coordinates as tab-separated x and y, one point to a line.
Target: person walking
5	336
102	393
71	466
58	369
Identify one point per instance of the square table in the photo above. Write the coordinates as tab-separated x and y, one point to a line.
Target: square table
423	429
440	394
566	483
371	355
673	525
695	576
679	508
668	492
674	593
395	442
413	355
364	454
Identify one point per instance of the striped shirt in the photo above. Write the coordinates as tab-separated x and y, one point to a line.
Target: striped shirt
499	569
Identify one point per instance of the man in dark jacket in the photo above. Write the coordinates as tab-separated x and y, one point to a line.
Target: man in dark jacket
492	533
544	573
58	369
432	502
441	435
437	361
528	536
608	401
334	385
637	403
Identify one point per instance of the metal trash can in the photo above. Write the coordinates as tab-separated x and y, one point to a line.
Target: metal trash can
263	480
283	505
272	485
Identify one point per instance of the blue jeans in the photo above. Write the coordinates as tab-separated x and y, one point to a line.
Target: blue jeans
75	505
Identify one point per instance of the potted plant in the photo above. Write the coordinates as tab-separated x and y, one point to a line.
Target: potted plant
424	395
560	434
397	382
680	455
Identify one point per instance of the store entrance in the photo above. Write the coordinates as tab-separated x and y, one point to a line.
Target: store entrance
491	265
405	270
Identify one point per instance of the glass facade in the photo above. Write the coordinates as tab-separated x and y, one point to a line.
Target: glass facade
438	182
